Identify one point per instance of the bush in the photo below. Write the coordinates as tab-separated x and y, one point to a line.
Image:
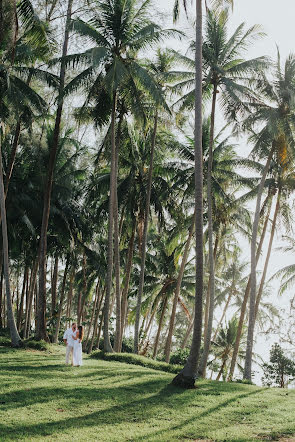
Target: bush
36	345
4	332
4	341
136	360
127	344
179	356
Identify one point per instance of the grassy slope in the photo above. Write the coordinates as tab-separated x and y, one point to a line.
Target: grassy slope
41	399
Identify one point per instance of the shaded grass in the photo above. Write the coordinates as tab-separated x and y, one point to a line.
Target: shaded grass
41	398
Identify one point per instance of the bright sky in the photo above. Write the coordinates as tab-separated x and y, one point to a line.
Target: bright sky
277	21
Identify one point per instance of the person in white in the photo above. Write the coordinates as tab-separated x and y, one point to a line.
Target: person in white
77	353
69	341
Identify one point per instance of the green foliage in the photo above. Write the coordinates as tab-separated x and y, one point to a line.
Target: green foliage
179	357
280	371
36	345
136	360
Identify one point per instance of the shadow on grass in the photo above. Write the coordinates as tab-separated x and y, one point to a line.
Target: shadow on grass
147	398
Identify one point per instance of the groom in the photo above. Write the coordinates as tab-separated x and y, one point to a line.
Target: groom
69	341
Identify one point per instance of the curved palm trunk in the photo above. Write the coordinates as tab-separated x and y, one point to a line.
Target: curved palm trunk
109	281
15	338
245	301
221	369
186	378
156	344
144	239
250	336
41	332
61	301
207	341
272	233
177	291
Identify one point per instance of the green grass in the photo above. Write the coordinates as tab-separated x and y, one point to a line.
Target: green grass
42	399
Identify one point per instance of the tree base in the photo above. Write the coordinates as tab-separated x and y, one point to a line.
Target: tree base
182	381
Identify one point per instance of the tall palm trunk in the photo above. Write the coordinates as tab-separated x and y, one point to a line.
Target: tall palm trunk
245	301
144	239
61	301
186	378
207	341
85	343
99	304
250	336
22	297
272	233
30	295
127	280
117	342
54	285
223	314
15	338
221	369
113	185
41	332
177	291
156	344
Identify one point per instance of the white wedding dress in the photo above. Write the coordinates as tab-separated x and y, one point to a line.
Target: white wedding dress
77	352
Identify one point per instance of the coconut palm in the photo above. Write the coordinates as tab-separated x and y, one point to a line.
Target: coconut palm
276	115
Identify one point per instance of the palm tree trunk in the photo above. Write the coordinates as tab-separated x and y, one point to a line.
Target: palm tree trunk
207	340
221	370
15	338
22	297
251	324
223	315
29	300
145	232
177	291
188	333
61	301
54	285
12	156
99	304
41	332
85	343
113	183
245	300
272	233
186	378
127	280
156	344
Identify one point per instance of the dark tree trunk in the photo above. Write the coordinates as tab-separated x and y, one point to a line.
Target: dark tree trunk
15	338
186	378
110	253
144	239
29	300
54	285
156	344
41	332
99	304
22	297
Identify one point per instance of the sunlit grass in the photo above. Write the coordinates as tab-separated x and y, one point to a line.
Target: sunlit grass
42	399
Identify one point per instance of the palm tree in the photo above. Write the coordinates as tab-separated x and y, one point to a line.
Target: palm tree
276	114
119	30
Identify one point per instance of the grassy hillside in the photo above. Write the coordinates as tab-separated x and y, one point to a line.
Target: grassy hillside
41	399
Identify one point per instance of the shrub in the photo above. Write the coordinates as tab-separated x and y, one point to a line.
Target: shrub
136	360
179	356
127	344
5	341
36	345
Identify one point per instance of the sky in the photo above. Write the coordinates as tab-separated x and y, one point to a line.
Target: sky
277	21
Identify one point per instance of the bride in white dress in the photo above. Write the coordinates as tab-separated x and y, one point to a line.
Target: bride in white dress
77	350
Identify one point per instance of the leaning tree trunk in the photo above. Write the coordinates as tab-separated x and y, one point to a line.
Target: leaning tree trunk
186	378
177	291
144	239
156	344
41	332
250	336
113	184
61	301
272	233
207	342
15	338
245	301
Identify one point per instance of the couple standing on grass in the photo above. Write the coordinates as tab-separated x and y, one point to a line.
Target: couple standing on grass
73	339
